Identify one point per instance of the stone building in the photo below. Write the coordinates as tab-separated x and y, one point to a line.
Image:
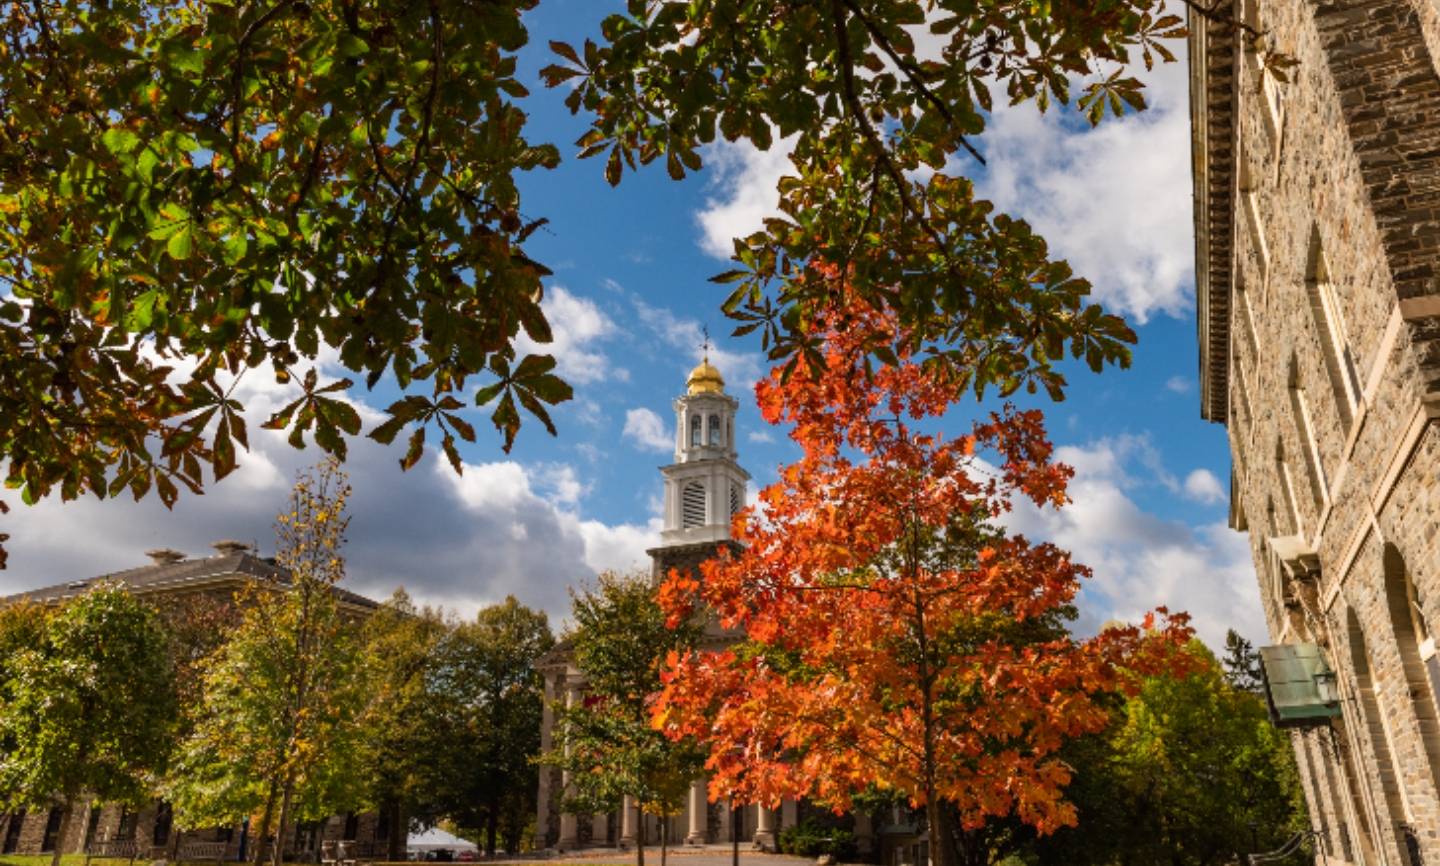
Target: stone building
1317	228
167	581
704	487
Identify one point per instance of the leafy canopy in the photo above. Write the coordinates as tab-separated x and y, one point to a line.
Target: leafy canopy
1190	772
193	191
275	735
603	734
894	637
87	703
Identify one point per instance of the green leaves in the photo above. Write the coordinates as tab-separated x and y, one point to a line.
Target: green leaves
532	384
329	416
241	187
868	113
88	703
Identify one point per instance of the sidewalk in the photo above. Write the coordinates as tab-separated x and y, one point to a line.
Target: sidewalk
692	855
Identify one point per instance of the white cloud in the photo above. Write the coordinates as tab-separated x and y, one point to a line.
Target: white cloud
618	548
561	482
740	369
1142	561
1201	485
576	324
759	436
1110	457
1179	384
1113	200
645	429
501	528
744	178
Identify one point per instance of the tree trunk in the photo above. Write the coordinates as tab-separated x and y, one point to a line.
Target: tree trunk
971	847
639	834
266	817
664	840
67	808
399	831
277	855
492	827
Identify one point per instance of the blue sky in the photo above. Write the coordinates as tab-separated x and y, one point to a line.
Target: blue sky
628	300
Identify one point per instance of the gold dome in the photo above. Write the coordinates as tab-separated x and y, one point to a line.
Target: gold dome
705	379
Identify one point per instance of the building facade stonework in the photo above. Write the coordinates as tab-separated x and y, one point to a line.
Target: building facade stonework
1317	230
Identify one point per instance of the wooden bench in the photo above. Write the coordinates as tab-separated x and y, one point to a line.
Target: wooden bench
192	851
348	852
113	849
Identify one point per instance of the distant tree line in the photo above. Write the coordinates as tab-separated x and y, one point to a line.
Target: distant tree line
280	706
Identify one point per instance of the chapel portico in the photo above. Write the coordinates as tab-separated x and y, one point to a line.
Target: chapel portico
704	487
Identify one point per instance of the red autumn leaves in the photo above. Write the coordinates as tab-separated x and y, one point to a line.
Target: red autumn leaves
895	637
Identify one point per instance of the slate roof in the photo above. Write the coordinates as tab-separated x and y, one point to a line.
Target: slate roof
187	573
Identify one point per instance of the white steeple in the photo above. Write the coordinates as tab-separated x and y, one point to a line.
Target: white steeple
704	486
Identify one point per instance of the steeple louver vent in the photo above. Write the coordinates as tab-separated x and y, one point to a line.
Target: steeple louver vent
692	505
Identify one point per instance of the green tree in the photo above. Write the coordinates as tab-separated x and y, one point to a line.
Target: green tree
397	739
1191	773
222	187
89	703
276	734
487	695
619	642
1242	663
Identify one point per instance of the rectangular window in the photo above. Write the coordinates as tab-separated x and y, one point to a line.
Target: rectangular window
12	832
1268	89
52	830
1330	324
1247	318
1301	410
1250	200
1287	489
1247	412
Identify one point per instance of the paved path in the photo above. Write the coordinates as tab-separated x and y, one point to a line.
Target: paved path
688	855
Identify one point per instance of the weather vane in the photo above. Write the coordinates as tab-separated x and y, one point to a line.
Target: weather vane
705	346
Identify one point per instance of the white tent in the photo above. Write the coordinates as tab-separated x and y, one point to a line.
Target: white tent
435	839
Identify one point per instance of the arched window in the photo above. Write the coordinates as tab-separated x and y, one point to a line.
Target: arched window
694	431
1411	631
1371	723
714	429
692	505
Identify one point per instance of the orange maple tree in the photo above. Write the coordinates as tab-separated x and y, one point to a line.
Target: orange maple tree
884	610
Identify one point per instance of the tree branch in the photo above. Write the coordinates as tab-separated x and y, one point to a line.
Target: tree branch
913	74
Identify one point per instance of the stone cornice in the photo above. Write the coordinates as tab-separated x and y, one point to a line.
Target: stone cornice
1212	129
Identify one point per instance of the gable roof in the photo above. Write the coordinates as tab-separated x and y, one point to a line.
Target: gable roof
186	574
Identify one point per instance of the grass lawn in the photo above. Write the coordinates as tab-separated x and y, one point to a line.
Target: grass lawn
65	860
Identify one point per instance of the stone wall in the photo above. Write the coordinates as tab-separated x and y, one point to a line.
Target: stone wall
1339	183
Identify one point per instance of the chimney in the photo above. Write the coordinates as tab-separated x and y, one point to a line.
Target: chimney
230	547
164	555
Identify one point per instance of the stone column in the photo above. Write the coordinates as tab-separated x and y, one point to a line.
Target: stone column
542	808
599	830
569	827
864	833
764	828
699	814
628	823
